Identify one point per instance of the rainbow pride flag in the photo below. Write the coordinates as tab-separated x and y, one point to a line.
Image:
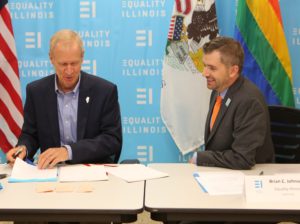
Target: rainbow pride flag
259	29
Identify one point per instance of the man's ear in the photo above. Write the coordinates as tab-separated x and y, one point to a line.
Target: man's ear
234	70
51	58
82	55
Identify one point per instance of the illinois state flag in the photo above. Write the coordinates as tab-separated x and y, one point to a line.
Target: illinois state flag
11	110
259	29
184	95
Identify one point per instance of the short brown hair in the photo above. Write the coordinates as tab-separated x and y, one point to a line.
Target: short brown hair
231	51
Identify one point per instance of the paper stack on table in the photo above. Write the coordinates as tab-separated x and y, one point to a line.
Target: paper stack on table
80	172
24	172
221	183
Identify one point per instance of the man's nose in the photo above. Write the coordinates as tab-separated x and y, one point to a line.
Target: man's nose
205	72
69	69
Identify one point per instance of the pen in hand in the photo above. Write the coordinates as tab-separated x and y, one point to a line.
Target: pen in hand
17	153
3	175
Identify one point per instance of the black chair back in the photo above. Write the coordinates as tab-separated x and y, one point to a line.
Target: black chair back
285	129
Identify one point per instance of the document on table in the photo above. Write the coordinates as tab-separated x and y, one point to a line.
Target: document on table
135	172
221	183
82	172
24	172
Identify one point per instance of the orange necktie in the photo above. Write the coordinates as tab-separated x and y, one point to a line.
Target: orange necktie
216	110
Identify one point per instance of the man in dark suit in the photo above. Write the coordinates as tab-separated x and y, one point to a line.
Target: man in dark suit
71	116
237	136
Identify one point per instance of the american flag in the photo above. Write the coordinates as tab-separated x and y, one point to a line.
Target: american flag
11	110
175	28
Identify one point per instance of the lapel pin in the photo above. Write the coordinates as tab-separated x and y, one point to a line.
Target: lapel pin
228	102
87	100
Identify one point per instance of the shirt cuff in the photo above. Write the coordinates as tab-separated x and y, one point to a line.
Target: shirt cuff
194	158
70	155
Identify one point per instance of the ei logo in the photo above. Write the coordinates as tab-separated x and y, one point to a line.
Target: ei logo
89	66
87	9
145	153
258	184
143	38
33	40
144	96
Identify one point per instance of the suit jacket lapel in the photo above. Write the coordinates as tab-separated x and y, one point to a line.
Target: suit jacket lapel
225	105
84	102
53	112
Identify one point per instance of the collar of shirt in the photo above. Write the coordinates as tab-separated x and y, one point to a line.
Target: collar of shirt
223	94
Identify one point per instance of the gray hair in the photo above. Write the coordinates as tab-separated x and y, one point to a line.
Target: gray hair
65	35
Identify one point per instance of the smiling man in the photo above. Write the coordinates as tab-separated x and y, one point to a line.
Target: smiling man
237	130
71	116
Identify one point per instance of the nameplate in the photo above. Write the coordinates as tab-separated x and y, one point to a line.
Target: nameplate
273	188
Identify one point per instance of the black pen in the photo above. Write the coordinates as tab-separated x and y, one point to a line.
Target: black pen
17	153
3	175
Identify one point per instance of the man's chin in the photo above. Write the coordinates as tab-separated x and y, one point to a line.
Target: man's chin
210	87
68	87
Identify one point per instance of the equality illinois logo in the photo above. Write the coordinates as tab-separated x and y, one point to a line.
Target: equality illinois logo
189	30
87	9
258	185
33	40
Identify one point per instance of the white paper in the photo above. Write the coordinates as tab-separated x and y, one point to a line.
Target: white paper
24	172
82	173
221	183
135	172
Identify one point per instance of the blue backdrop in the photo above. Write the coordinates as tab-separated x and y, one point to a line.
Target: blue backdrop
124	43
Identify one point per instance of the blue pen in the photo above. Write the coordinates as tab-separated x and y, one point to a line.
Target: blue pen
195	175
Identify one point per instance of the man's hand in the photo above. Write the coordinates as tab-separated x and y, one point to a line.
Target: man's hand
12	154
51	157
193	159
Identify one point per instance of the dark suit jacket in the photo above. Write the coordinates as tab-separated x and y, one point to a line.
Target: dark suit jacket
99	132
241	135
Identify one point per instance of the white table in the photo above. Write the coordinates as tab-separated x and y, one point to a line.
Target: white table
111	201
179	198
